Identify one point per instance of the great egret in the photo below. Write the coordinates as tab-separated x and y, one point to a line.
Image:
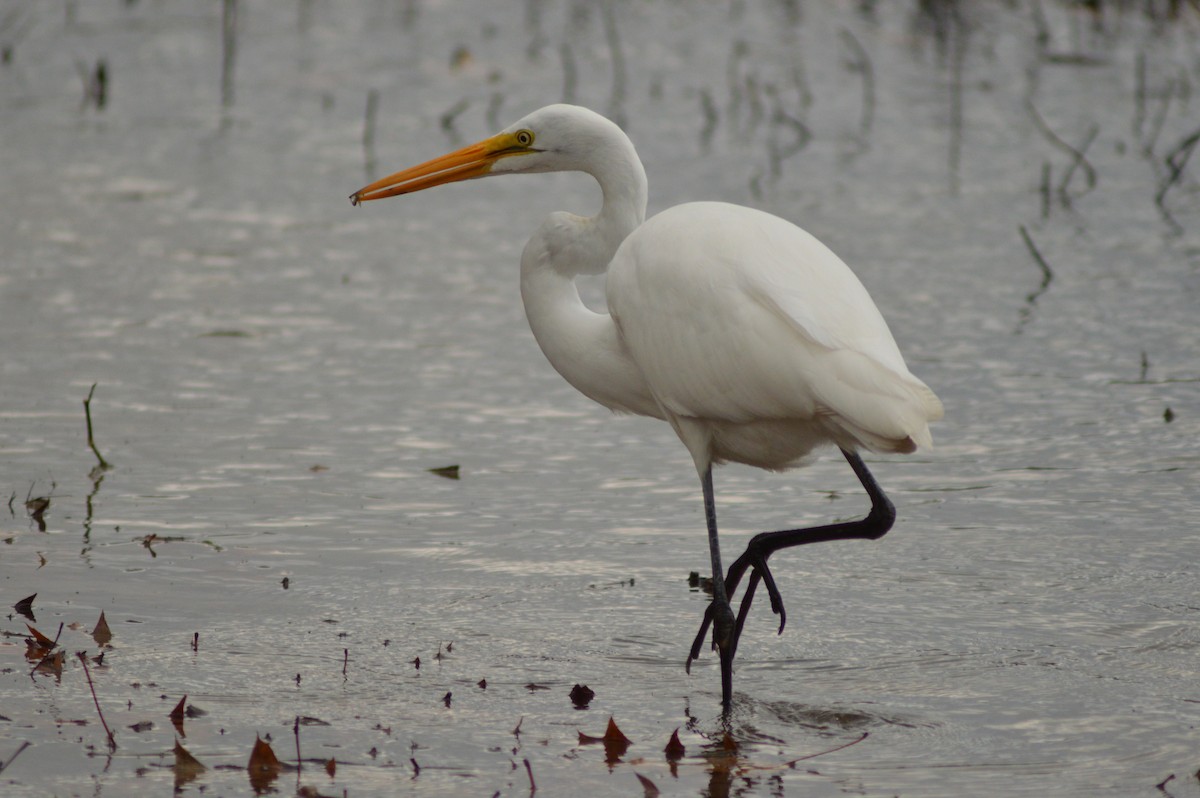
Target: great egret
745	333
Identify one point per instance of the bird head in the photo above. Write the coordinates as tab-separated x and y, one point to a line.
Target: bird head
552	139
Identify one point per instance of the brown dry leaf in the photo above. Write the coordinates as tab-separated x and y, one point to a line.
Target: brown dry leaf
176	714
37	508
650	788
447	472
52	664
25	607
674	749
187	767
264	767
331	767
101	634
38	648
310	792
42	640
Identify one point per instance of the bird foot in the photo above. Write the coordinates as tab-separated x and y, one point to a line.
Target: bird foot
725	639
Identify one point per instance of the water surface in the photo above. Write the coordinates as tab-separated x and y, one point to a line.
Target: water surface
276	372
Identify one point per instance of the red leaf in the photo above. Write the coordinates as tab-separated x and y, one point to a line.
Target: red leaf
674	749
650	788
614	735
177	713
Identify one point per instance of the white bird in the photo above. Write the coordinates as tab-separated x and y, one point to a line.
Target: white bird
746	334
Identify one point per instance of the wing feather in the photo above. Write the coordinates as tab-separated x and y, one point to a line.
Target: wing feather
735	315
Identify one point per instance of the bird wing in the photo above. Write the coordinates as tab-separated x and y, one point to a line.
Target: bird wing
736	315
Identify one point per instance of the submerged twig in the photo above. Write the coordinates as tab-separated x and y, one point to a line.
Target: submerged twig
1078	159
296	734
616	100
16	753
532	784
95	84
112	743
368	137
228	50
569	71
711	118
103	465
861	64
957	68
1176	160
1047	276
841	747
449	117
1044	190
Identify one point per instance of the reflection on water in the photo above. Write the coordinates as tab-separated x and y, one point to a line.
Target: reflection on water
277	372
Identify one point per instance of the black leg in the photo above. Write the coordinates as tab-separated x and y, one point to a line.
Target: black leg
763	545
719	613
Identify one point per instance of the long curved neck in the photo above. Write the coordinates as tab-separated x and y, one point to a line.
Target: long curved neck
582	345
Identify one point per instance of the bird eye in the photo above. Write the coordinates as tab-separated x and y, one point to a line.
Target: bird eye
524	137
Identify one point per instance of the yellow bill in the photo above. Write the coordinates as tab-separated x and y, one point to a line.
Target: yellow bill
472	161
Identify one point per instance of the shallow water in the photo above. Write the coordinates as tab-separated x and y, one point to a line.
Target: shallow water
276	372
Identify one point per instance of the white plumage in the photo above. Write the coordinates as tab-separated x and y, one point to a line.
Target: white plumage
749	336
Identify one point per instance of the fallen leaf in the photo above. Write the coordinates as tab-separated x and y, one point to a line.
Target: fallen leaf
650	788
264	767
614	735
38	648
448	472
305	720
101	634
42	640
614	740
187	767
25	607
37	508
581	696
142	726
674	749
176	715
310	792
52	664
331	767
